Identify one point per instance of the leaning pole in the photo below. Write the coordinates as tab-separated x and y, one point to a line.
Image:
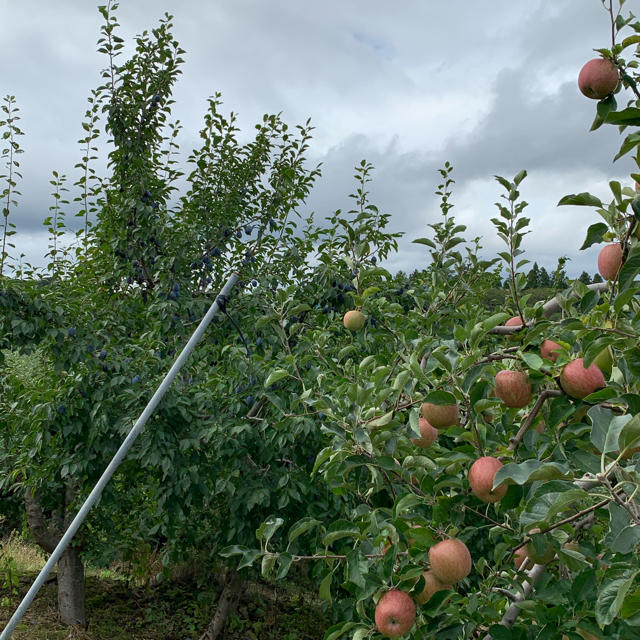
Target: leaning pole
118	457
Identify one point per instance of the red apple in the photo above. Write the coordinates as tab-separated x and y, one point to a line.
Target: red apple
520	557
481	477
428	435
579	382
440	416
513	388
516	321
395	614
450	560
598	78
548	350
431	585
610	261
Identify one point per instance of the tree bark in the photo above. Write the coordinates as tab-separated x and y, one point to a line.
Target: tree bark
227	604
71	588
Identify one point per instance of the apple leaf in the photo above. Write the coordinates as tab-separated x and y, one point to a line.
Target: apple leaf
595	234
629	116
629	269
440	397
580	199
630	610
545	505
611	443
611	597
529	470
382	421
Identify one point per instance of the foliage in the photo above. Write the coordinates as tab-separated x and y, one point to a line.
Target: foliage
288	439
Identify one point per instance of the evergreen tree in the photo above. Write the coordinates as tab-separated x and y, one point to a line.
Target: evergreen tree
533	277
597	278
544	280
585	278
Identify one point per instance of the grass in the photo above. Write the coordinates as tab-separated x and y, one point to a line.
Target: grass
118	609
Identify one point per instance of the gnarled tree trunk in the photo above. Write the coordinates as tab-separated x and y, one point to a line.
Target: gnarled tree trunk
71	587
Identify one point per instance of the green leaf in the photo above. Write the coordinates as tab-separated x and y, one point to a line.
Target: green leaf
530	470
302	526
266	530
532	360
274	376
629	116
595	235
581	199
332	536
325	589
630	268
610	599
381	421
425	241
440	397
268	563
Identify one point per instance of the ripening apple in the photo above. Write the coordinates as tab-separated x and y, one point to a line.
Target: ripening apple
604	361
440	416
579	382
354	320
598	78
513	388
481	475
520	557
548	350
431	585
610	261
547	555
395	613
450	560
516	321
428	435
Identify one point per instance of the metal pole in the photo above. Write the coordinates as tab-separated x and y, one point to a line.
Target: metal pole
116	460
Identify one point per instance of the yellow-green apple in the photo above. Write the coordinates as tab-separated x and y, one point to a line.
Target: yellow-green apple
610	261
427	437
513	388
431	585
450	560
578	381
598	78
481	475
548	350
604	361
353	320
440	416
547	555
395	613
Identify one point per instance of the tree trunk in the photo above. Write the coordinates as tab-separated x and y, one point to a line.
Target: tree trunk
71	588
227	604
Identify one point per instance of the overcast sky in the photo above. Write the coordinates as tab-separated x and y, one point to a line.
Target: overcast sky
489	85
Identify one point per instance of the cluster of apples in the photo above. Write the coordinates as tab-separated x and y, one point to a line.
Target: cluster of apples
450	562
